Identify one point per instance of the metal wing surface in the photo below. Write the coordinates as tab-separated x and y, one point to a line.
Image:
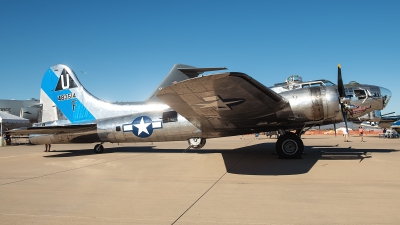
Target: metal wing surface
223	102
54	129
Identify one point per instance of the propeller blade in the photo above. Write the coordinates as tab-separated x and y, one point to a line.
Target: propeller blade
342	94
340	82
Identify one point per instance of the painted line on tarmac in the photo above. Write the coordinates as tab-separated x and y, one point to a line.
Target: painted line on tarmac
208	189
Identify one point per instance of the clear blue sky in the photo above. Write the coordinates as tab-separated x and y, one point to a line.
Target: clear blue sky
126	48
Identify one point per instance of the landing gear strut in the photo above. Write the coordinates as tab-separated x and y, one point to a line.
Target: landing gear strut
99	148
196	143
289	146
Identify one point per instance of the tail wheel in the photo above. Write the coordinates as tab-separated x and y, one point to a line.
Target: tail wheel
98	148
289	146
196	143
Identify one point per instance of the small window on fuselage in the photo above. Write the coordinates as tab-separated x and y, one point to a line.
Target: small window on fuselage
170	116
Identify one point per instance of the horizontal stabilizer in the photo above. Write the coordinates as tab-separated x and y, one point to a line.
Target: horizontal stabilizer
194	72
178	73
54	129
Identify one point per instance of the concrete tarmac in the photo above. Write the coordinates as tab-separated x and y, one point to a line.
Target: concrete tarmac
229	181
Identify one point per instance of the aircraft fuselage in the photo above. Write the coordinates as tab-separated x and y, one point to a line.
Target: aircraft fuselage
167	125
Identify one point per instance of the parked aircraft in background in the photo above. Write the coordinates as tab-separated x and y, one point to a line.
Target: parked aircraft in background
187	107
385	121
27	109
396	126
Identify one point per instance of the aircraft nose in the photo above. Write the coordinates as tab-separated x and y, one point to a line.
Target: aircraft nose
386	95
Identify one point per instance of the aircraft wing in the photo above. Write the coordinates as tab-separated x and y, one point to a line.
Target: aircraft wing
54	129
223	101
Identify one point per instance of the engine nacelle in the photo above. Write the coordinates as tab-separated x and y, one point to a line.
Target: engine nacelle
30	113
315	104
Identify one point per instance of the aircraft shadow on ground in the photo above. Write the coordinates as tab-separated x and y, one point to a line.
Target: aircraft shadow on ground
259	159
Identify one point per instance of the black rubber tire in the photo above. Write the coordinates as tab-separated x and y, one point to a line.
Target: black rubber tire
98	149
289	146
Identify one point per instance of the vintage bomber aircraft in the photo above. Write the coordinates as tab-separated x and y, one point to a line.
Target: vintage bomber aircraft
188	107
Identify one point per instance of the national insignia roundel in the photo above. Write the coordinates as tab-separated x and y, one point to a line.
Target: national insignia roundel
142	126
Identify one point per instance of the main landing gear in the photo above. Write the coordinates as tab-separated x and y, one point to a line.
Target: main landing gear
99	148
289	146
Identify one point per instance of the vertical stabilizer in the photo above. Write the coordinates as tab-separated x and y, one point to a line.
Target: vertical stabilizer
63	98
174	75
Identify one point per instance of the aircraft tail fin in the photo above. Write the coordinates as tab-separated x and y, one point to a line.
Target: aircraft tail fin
178	73
63	98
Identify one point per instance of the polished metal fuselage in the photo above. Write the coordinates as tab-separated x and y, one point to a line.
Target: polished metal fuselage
107	131
307	107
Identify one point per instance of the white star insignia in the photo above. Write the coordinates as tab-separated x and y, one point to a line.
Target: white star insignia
142	126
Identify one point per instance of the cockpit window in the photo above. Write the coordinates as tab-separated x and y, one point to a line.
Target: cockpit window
316	84
328	83
360	94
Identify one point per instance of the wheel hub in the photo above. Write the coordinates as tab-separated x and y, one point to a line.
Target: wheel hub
290	147
195	141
